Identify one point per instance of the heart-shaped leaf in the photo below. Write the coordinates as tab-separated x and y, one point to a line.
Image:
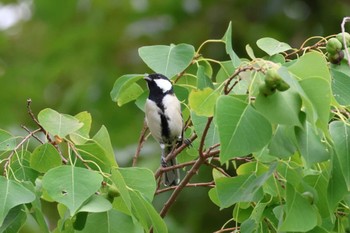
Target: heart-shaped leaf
57	123
71	186
272	46
167	60
242	129
12	194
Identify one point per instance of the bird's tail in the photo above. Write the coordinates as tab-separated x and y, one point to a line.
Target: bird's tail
171	177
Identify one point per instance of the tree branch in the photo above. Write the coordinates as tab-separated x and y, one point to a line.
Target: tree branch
142	140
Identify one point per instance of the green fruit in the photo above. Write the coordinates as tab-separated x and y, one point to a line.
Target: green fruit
308	196
266	91
333	46
272	78
347	38
113	191
283	86
336	58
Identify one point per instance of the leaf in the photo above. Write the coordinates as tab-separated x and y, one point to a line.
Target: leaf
337	187
318	91
203	80
7	141
111	222
242	130
129	94
81	136
310	145
123	83
272	46
199	123
340	133
57	123
300	215
202	102
281	144
167	60
45	157
71	186
103	139
280	108
310	65
341	87
140	179
137	205
228	46
14	220
12	194
242	188
225	71
95	204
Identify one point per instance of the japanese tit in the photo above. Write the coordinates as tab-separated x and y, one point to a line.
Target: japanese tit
164	120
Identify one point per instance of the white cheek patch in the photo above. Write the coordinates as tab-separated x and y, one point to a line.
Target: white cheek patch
163	84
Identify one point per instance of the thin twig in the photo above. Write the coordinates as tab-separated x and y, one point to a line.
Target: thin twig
231	229
34	136
345	20
205	132
16	148
142	139
193	185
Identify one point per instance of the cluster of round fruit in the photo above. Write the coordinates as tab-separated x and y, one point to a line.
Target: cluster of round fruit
273	82
334	47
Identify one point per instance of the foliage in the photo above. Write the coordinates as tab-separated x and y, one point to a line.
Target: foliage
279	156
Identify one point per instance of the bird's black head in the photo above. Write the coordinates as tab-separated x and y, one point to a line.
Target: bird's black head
158	85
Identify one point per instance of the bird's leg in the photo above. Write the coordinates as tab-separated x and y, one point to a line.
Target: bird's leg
162	159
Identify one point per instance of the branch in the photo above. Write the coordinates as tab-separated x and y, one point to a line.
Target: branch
16	148
142	140
182	184
228	89
205	184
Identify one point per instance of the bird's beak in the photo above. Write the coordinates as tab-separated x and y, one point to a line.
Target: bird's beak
147	78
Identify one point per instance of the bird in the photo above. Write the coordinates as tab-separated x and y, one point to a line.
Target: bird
164	120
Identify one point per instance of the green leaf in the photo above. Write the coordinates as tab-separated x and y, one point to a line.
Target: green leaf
202	102
300	215
242	130
310	65
123	83
81	136
280	108
111	222
225	71
272	46
95	204
203	80
103	139
337	187
7	141
310	145
71	186
129	94
281	144
242	188
167	60
340	132
137	205
57	123
12	194
45	157
228	46
199	124
140	179
318	91
341	87
14	220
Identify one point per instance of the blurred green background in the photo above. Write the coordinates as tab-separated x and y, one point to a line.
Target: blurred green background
66	55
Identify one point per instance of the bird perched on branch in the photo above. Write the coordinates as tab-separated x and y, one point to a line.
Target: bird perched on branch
164	120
